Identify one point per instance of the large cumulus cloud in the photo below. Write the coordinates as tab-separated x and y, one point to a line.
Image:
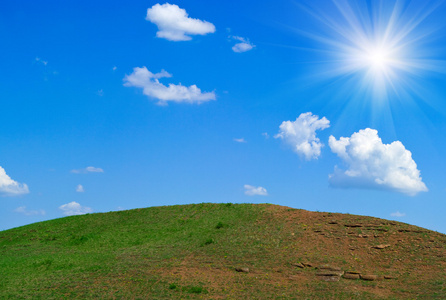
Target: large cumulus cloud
372	164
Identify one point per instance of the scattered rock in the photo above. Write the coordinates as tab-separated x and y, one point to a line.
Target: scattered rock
369	277
363	235
299	265
307	264
329	273
352	272
329	278
372	225
329	267
382	246
333	222
351	276
353	225
242	270
411	230
389	277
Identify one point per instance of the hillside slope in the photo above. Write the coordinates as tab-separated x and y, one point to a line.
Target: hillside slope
221	251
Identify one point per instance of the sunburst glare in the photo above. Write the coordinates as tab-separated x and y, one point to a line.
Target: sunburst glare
380	45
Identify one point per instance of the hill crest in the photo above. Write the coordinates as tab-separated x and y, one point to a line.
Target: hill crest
204	250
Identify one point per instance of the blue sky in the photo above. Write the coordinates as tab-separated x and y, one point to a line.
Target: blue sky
331	106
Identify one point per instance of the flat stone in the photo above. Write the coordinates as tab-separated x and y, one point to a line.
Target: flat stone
389	277
299	265
307	264
352	272
329	273
329	267
351	276
242	270
369	277
329	278
381	246
353	225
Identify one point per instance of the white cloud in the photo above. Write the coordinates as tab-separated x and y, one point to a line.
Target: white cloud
88	170
74	208
243	46
266	135
9	187
26	212
114	68
143	78
255	191
100	92
242	140
174	23
301	134
397	214
372	164
80	188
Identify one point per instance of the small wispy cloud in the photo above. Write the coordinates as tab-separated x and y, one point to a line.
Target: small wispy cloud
100	92
151	87
74	208
241	140
80	188
87	170
243	46
255	191
114	68
26	212
266	135
397	214
41	61
47	71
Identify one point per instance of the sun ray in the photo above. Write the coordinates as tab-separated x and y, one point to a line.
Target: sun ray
378	42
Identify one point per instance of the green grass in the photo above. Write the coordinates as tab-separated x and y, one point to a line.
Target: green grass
96	254
179	252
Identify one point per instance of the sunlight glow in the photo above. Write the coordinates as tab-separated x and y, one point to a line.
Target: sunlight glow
381	46
378	59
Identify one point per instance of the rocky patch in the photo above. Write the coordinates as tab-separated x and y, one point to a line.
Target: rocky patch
242	270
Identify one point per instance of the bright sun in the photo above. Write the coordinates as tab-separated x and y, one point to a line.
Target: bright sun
381	45
378	58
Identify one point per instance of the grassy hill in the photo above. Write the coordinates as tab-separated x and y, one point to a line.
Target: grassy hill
204	251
